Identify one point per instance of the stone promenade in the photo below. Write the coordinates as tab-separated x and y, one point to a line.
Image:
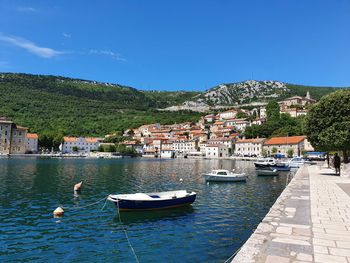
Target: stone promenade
309	222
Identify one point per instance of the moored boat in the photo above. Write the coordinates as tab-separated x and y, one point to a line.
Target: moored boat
224	176
152	201
266	162
296	162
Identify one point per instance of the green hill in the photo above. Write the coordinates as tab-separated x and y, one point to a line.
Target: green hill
65	106
78	107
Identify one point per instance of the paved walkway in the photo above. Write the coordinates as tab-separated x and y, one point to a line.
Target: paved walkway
309	222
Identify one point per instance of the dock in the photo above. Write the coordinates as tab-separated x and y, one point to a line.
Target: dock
309	222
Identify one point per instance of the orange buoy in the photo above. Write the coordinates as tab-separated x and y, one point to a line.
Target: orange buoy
77	187
58	212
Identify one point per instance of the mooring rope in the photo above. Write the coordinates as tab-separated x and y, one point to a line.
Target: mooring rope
126	234
233	255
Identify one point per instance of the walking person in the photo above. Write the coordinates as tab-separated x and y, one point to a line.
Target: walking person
336	163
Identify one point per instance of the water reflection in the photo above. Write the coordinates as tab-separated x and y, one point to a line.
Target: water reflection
221	219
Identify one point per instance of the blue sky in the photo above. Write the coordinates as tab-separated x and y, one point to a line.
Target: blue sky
179	45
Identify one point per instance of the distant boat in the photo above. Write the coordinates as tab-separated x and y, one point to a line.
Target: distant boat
266	162
152	201
269	162
224	176
266	171
296	162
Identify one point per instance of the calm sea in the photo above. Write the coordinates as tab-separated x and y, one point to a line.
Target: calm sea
211	230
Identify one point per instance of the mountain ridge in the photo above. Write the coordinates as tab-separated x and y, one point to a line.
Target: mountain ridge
69	106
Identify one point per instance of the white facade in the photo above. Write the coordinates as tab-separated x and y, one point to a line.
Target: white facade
216	151
185	146
84	145
249	147
230	114
262	112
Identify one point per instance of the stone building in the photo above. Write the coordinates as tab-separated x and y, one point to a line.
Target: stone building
281	145
32	142
12	137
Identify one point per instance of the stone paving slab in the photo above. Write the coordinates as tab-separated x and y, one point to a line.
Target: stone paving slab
309	222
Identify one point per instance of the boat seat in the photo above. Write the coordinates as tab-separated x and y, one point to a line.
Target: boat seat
139	196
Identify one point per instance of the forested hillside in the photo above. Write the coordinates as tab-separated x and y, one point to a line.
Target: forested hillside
77	107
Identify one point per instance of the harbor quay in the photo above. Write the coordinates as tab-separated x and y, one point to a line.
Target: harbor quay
309	222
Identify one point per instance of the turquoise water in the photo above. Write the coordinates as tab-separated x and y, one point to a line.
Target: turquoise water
211	230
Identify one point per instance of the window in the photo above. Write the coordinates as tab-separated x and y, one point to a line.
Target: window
19	133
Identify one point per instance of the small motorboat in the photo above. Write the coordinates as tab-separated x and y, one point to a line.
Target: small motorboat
266	162
224	176
152	201
296	162
266	171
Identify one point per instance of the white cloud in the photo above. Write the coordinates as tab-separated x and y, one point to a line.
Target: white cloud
107	52
31	47
26	9
66	35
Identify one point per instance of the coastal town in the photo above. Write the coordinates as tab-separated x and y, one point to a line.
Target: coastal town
213	136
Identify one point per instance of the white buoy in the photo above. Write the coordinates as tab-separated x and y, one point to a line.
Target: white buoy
181	179
58	212
77	187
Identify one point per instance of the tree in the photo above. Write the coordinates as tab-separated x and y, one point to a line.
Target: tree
274	150
328	123
75	148
290	153
272	110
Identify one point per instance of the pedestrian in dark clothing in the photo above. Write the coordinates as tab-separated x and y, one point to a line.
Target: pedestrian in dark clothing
336	163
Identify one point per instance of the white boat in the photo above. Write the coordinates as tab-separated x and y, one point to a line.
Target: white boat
296	162
266	162
224	176
152	201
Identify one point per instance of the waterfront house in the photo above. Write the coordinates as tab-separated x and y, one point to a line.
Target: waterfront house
183	146
216	151
12	137
32	142
228	142
249	147
281	145
167	150
80	144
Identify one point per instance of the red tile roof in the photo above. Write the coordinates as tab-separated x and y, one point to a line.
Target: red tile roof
32	136
250	140
285	140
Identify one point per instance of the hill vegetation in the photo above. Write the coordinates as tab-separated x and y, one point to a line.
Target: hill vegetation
62	106
56	106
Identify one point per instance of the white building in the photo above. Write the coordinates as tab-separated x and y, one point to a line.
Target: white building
262	112
216	151
228	142
81	144
185	146
249	147
32	142
230	114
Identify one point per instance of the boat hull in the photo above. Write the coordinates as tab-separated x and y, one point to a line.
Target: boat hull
278	167
266	172
215	178
143	205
